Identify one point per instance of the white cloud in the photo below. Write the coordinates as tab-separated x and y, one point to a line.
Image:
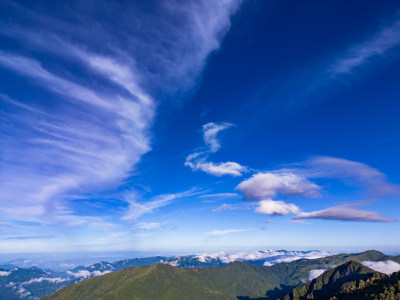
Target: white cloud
98	125
299	222
218	233
378	45
138	209
199	160
210	131
268	185
387	267
352	172
280	208
173	263
86	273
4	273
87	158
315	273
41	279
217	169
146	226
237	206
220	195
344	213
271	257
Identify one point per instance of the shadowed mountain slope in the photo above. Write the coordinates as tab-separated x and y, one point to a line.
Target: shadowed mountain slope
340	280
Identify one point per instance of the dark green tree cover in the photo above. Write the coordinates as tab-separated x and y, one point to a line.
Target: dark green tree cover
350	281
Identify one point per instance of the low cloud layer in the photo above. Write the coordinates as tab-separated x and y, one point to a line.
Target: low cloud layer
269	256
387	267
315	273
86	273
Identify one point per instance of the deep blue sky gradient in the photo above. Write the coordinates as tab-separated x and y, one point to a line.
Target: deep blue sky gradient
266	67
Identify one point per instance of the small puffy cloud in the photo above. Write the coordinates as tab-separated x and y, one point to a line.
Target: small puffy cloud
217	169
387	267
268	185
217	233
315	273
280	208
4	273
210	132
344	213
198	161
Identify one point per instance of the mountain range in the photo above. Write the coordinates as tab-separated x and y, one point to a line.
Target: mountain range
186	276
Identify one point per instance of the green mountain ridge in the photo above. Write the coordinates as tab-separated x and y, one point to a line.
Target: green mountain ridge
163	281
236	280
334	281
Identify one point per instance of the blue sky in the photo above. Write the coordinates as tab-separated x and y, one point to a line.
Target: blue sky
188	126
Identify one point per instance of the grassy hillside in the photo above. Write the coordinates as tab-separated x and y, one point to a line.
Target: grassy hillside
166	282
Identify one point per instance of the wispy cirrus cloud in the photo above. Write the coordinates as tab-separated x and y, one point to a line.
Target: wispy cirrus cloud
304	86
219	233
377	45
30	237
236	206
220	195
147	226
138	207
100	88
199	160
210	131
